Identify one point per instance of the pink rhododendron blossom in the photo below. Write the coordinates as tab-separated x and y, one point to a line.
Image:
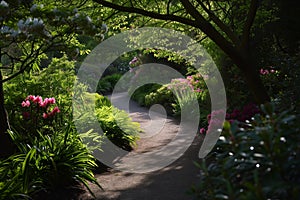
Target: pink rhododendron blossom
40	105
267	71
38	99
263	71
54	111
133	61
202	131
26	103
45	115
52	100
30	97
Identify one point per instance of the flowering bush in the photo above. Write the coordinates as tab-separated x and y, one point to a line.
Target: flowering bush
254	160
246	113
186	90
38	112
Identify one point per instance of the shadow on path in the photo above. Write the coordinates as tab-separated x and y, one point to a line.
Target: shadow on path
171	183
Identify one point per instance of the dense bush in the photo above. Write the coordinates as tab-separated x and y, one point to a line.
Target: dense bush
118	126
44	164
140	93
162	96
254	160
107	84
51	153
177	94
56	80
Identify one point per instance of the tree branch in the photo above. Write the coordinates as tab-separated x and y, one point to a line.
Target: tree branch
198	22
213	34
147	13
249	22
230	34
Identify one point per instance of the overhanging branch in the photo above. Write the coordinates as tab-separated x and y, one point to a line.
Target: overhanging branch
153	15
249	22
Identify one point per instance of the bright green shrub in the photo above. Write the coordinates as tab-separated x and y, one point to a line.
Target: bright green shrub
162	96
179	93
254	160
118	126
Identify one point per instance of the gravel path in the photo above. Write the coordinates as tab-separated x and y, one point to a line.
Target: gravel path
170	183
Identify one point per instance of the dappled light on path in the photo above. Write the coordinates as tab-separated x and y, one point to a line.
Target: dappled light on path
170	183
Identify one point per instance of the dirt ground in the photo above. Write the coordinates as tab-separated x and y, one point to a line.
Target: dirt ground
170	183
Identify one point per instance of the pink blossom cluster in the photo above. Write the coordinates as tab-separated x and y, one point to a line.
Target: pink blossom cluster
133	61
38	100
246	113
192	81
267	71
214	119
41	104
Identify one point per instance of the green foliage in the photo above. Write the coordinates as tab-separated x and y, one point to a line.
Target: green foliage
107	84
257	160
162	96
30	30
140	93
118	126
56	80
45	164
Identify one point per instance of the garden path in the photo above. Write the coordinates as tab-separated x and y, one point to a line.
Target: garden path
170	183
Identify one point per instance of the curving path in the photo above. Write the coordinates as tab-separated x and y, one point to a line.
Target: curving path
171	183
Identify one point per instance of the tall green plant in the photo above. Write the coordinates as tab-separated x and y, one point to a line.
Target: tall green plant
47	163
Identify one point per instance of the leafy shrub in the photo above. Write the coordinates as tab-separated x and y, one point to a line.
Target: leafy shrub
45	164
57	80
140	93
254	160
107	84
175	95
118	126
162	96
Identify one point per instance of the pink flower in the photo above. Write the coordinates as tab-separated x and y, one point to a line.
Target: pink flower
51	100
26	103
54	111
45	115
198	90
202	131
231	121
133	61
38	100
263	71
30	97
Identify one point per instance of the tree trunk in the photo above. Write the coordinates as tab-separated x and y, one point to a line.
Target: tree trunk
255	84
251	75
6	144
